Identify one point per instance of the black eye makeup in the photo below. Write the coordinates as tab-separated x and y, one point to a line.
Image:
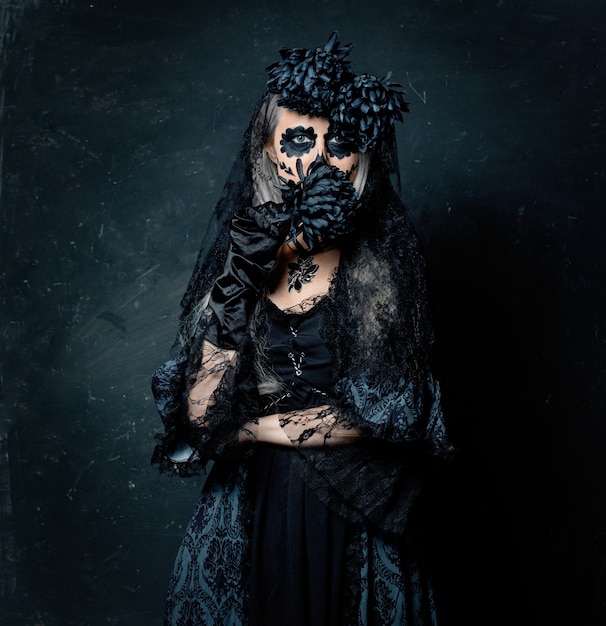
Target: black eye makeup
298	141
340	148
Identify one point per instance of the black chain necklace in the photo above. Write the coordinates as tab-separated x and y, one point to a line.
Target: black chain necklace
301	272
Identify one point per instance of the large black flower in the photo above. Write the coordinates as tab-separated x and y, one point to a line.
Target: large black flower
307	80
323	204
365	108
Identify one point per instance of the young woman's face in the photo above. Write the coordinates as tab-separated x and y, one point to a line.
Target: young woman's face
305	137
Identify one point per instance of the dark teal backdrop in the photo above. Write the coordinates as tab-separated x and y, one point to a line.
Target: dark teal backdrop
119	119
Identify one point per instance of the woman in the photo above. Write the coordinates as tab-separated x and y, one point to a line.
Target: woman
303	373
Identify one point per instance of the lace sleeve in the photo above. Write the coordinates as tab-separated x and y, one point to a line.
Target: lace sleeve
316	427
202	408
214	362
394	416
381	411
400	441
396	413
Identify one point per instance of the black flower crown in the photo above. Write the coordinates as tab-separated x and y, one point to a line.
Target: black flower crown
320	82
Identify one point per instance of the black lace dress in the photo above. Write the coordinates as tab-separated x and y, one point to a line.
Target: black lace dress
263	550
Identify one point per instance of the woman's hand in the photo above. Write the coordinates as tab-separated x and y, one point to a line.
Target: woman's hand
323	202
256	235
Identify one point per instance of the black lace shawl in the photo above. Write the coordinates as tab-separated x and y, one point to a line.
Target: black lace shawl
378	331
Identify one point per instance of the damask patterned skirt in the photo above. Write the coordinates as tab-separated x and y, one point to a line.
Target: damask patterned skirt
262	550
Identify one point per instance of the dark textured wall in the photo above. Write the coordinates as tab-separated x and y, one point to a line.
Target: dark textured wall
119	120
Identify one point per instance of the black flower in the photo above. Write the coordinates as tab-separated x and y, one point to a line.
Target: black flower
307	80
365	108
323	203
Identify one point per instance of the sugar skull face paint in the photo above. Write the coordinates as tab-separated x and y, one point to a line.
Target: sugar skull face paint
305	137
340	148
298	141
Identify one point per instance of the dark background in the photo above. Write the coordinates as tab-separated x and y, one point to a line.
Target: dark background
118	123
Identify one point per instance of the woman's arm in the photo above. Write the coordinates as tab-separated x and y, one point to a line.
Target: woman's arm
316	426
309	427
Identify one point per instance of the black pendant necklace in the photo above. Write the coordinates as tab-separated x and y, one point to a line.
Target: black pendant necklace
301	272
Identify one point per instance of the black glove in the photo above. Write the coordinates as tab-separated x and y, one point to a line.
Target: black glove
256	234
323	204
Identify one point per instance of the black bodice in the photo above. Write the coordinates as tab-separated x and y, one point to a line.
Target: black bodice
298	355
298	545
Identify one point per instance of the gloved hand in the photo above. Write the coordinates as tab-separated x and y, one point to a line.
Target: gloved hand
323	204
256	234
